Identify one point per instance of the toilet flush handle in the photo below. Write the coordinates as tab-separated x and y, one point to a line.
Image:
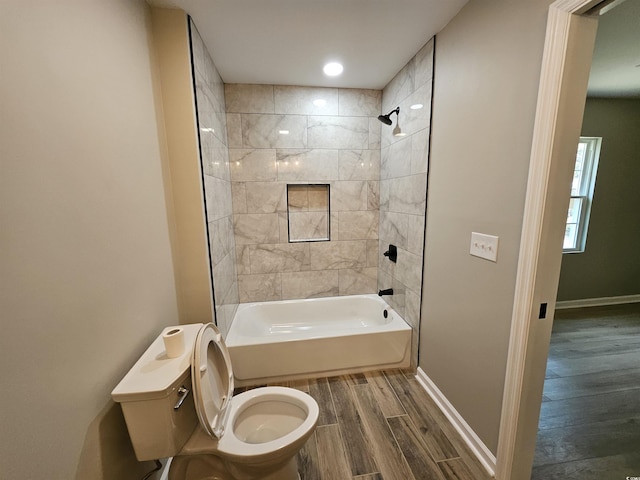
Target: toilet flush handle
182	394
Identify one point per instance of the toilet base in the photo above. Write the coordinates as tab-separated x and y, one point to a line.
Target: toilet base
198	467
289	471
211	467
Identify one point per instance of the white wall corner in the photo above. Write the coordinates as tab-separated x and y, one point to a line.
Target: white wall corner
477	446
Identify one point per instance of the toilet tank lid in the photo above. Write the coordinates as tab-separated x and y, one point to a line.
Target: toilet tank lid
154	374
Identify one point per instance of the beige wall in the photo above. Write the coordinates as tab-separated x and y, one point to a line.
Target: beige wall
87	277
487	69
610	264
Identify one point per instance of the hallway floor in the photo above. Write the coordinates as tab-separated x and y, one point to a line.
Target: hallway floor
590	419
381	426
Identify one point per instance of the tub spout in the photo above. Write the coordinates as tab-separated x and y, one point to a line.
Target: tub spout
388	291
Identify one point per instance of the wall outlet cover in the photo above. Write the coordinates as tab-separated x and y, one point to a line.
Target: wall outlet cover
484	246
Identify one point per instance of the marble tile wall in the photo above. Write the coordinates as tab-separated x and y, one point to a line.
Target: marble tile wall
279	135
217	181
403	186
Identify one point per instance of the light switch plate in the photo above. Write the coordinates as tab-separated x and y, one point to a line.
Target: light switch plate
484	246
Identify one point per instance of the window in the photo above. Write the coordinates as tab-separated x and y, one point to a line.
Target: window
584	180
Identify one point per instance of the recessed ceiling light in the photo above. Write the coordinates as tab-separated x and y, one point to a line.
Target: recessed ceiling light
332	69
319	102
283	132
416	106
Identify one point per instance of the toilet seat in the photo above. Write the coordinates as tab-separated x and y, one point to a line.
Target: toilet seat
212	380
233	447
218	410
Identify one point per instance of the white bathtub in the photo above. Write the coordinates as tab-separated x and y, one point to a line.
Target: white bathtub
274	341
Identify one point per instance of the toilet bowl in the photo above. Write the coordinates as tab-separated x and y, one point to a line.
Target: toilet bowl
250	436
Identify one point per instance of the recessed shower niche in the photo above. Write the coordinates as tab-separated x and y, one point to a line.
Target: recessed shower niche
308	213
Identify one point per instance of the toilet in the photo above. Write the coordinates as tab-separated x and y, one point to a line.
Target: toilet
184	408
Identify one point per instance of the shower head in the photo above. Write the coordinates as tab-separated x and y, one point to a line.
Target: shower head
386	119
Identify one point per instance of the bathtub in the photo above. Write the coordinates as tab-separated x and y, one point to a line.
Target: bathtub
285	340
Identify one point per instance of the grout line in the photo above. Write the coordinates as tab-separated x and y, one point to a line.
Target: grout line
395	439
398	416
448	459
338	420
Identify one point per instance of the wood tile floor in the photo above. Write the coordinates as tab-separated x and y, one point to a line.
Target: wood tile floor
590	418
381	426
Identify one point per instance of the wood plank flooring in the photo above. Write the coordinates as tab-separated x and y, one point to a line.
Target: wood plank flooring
590	418
381	426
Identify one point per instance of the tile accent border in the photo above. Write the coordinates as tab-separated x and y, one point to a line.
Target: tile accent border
477	446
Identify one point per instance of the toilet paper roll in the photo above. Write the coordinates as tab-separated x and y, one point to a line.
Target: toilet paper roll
174	342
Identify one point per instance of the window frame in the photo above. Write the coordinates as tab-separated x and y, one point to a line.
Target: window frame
585	193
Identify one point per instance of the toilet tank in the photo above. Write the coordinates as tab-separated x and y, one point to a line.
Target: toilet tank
150	393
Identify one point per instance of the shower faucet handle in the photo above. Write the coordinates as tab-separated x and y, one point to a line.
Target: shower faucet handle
392	253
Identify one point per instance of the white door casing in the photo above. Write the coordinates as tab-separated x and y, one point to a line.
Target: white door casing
569	42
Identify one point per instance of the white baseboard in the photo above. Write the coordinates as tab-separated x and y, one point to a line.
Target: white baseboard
597	302
484	455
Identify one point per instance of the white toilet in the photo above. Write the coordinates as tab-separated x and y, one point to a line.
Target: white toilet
210	433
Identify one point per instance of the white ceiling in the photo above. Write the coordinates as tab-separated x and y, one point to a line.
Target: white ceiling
287	42
615	69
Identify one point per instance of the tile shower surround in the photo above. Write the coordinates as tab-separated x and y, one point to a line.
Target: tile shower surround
403	186
217	180
337	143
378	188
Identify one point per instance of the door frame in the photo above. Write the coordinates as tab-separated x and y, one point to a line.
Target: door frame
566	62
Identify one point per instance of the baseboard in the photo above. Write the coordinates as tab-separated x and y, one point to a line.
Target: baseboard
484	455
597	302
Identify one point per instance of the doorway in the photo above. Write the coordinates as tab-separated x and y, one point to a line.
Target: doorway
588	422
569	41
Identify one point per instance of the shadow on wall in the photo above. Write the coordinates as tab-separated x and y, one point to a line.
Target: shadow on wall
107	453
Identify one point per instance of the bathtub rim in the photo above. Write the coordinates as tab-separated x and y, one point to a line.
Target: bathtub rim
364	344
235	339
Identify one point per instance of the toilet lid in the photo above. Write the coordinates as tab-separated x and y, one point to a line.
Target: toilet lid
212	379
